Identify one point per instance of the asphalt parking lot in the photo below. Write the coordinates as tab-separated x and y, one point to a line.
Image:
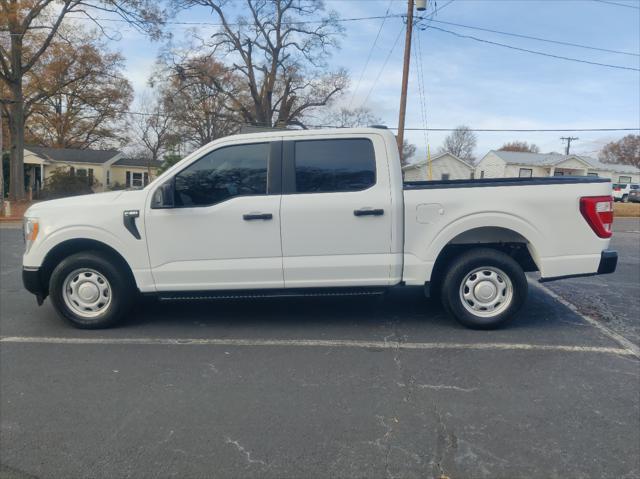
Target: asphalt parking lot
362	387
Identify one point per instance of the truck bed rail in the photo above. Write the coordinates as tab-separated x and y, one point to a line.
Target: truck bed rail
486	182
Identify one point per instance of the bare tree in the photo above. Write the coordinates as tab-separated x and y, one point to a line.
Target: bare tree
350	118
408	150
521	146
198	107
625	151
460	142
280	51
31	26
152	129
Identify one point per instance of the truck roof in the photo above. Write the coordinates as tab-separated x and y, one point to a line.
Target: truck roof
313	132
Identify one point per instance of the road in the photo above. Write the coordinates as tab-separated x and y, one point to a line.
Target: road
311	388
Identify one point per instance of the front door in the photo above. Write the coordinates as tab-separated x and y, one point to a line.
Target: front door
224	232
336	213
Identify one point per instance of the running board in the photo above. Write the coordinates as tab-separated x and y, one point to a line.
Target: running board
258	294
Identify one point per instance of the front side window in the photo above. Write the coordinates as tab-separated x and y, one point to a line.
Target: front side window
326	166
238	170
526	173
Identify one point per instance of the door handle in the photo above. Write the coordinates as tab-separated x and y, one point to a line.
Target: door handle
257	216
368	212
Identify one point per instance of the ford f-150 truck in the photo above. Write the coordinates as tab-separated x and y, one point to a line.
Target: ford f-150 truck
312	212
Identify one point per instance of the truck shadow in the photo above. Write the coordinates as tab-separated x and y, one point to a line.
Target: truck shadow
406	310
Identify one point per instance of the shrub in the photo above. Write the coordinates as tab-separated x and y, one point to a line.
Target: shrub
64	182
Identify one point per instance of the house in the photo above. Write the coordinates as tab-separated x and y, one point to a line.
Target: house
444	166
109	168
510	164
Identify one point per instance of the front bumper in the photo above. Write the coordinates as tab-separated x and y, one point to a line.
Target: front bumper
33	283
607	265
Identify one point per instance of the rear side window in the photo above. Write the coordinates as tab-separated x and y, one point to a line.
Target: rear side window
238	170
325	166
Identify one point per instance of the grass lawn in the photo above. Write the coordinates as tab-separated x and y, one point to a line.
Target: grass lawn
626	209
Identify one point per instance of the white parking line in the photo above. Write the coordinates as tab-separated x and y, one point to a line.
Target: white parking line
632	348
311	343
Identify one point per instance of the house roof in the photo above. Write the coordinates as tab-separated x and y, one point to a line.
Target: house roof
598	165
437	157
73	155
551	159
137	162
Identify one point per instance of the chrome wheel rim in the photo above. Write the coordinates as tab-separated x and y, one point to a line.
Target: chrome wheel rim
486	291
87	293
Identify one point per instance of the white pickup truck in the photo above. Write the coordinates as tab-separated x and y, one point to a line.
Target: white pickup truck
314	212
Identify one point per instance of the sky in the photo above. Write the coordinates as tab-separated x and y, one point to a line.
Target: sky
473	83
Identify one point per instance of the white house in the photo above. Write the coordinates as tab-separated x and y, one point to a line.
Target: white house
444	166
510	164
108	167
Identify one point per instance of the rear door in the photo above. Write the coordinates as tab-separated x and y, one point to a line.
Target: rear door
335	212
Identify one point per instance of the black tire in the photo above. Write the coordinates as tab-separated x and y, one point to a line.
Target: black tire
121	295
625	198
476	259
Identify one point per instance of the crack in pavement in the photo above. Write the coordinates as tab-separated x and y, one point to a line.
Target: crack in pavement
244	451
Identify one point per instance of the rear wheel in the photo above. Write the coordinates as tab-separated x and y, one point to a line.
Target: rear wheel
483	288
625	199
90	290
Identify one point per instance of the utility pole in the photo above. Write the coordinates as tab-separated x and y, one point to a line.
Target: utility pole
568	139
1	168
405	76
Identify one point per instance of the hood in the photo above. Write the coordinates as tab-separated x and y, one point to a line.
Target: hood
84	201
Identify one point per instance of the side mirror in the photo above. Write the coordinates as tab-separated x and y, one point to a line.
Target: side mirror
163	197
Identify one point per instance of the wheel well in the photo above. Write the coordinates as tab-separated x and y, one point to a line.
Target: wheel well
500	239
69	247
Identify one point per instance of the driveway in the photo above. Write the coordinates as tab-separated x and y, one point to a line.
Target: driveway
359	387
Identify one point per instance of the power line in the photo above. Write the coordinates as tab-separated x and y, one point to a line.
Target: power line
536	38
383	66
421	89
535	52
617	4
212	24
373	46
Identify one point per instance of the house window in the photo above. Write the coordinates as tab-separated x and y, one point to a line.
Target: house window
445	176
135	179
481	173
81	172
624	179
525	173
592	174
558	173
108	177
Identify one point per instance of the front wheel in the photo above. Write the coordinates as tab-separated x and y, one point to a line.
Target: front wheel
483	288
90	290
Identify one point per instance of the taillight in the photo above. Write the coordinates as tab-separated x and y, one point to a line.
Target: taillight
617	188
598	211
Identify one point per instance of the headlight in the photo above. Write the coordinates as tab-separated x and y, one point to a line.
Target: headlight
30	230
